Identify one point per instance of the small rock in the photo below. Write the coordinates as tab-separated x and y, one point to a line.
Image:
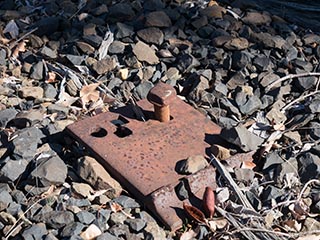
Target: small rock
82	189
126	202
36	231
142	90
12	170
85	47
107	236
158	19
50	91
244	175
72	229
314	106
116	47
145	53
151	35
25	145
58	219
192	164
251	105
31	92
104	65
240	59
181	191
124	30
121	12
309	166
136	224
273	193
214	11
220	152
255	18
50	171
48	52
153	231
117	218
92	172
314	130
241	137
311	38
237	44
37	71
85	217
6	115
5	200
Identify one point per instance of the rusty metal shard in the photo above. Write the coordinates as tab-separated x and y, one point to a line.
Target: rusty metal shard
142	155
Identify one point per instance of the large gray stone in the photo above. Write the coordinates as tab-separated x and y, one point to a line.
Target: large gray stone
50	171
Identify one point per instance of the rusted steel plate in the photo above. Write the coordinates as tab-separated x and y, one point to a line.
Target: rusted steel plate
167	205
145	159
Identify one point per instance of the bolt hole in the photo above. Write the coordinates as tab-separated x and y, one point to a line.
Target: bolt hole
99	132
122	131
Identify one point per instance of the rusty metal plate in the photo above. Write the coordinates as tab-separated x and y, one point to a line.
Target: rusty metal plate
142	156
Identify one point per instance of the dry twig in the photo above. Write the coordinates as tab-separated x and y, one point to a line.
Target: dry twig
290	76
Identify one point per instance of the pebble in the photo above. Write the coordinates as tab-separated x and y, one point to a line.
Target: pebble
192	164
158	19
6	116
31	92
145	53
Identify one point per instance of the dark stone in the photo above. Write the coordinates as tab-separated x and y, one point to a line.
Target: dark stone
3	57
273	193
314	130
14	209
309	166
37	71
254	200
93	40
158	19
25	145
50	91
6	116
314	106
136	224
116	47
151	35
240	59
251	105
262	63
85	217
12	170
119	230
46	26
19	197
103	216
142	90
124	30
78	202
50	171
121	12
72	229
272	161
37	231
181	191
48	52
74	59
153	5
5	200
58	219
107	236
241	137
126	202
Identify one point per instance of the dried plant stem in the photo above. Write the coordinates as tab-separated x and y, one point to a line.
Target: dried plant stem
226	175
268	88
298	100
